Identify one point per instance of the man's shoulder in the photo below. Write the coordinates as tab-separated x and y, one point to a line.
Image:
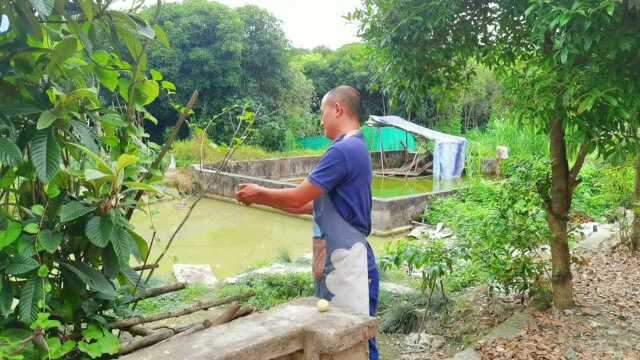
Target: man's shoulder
351	144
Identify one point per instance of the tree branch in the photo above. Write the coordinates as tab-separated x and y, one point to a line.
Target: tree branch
577	166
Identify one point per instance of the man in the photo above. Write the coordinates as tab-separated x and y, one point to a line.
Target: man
338	193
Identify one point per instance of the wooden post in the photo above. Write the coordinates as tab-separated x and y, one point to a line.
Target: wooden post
381	150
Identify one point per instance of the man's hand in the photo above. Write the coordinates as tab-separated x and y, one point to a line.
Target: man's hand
249	193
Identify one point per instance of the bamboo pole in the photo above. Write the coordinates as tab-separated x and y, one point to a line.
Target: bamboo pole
158	291
123	324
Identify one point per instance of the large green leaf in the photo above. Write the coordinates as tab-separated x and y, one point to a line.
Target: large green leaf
139	246
9	153
100	163
125	160
46	119
108	78
161	36
110	263
10	235
85	135
122	245
20	264
100	230
87	8
73	210
132	277
49	240
6	297
30	294
93	278
64	50
45	154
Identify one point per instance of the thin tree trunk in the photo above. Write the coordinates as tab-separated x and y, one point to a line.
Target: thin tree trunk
635	236
558	210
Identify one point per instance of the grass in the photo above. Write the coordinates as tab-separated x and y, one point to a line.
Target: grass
187	152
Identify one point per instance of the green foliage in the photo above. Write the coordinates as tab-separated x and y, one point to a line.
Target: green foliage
430	257
63	218
499	228
604	188
233	56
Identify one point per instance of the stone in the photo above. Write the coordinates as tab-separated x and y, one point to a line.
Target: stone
295	330
589	312
568	312
468	354
194	274
612	332
397	288
571	355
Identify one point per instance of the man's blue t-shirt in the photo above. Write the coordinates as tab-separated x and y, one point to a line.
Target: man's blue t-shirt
344	172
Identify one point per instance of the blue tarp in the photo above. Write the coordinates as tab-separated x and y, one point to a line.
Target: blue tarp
449	150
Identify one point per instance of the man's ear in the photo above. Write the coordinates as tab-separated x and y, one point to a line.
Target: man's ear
339	109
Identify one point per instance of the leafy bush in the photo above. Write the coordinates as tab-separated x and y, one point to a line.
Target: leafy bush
399	318
71	166
499	227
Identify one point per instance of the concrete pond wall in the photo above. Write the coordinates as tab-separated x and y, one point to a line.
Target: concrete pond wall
389	215
293	331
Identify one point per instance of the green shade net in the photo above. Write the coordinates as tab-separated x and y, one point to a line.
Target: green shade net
392	139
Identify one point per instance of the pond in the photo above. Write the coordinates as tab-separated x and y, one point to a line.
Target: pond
386	186
230	238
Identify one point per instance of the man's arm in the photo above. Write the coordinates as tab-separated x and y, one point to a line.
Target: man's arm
304	210
297	199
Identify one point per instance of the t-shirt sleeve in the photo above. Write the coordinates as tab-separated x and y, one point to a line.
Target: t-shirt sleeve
331	170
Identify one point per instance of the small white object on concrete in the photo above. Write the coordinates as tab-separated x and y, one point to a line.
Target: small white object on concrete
323	305
194	274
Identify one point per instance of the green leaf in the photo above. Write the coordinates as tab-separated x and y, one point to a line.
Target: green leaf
106	343
52	191
93	174
93	278
87	8
108	78
99	230
30	294
20	264
10	235
37	209
156	75
141	186
101	57
123	88
43	271
142	27
49	240
31	228
45	155
161	36
146	92
10	154
113	120
46	119
121	242
64	50
73	210
125	160
110	264
43	7
6	297
168	85
58	350
85	135
139	246
132	277
26	13
93	332
100	163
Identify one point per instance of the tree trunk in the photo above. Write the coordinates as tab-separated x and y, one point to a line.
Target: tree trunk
558	209
635	236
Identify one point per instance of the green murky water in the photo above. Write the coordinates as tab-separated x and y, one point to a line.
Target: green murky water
228	237
385	187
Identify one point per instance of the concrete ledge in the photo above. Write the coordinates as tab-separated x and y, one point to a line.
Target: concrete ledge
296	330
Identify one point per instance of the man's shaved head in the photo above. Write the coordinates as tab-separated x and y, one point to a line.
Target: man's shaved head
347	96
